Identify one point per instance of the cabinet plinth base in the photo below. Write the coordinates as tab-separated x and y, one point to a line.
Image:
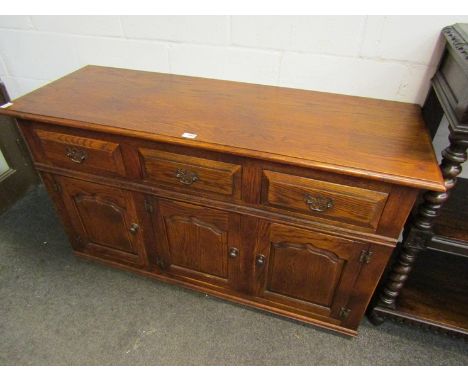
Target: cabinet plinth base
231	297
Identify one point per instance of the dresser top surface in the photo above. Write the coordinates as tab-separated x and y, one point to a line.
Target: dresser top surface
365	137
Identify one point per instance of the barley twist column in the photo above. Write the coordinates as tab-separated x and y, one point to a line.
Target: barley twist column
419	231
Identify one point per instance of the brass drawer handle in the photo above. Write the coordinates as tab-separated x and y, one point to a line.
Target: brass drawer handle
76	155
185	176
318	203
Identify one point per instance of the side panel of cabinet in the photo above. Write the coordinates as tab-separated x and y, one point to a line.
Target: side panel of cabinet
103	219
308	271
197	243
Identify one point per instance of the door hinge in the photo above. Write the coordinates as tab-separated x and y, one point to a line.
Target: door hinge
148	206
344	313
161	263
56	187
366	256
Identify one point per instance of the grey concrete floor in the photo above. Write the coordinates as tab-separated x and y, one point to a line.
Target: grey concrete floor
56	309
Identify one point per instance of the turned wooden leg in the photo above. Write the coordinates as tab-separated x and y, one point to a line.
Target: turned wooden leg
419	231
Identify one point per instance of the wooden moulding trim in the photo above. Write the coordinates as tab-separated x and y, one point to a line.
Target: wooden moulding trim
222	205
232	296
405	181
458	44
447	99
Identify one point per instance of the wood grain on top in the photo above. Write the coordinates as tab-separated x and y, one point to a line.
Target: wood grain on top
365	137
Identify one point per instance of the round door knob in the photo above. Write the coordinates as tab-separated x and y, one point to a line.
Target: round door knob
260	260
134	228
233	252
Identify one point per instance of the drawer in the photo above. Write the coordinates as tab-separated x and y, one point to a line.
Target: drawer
191	173
80	153
319	198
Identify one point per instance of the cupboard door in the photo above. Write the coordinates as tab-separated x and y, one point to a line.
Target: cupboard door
198	243
104	219
309	271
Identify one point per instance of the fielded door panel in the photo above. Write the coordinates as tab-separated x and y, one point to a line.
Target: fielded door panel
104	219
310	271
198	243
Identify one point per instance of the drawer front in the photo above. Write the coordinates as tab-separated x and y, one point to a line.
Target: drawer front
318	198
191	173
81	153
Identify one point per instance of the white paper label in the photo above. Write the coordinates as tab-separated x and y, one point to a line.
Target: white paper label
189	135
8	104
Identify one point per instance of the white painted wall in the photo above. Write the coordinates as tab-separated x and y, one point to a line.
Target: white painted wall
387	57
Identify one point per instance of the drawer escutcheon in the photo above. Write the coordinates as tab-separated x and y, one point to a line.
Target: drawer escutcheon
75	154
318	203
185	176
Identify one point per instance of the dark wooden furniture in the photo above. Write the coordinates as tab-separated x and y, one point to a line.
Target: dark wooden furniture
20	176
287	200
435	247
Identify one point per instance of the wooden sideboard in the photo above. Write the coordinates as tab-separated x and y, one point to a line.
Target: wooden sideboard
286	200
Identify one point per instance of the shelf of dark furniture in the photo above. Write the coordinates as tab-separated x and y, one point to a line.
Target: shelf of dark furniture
435	294
451	227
